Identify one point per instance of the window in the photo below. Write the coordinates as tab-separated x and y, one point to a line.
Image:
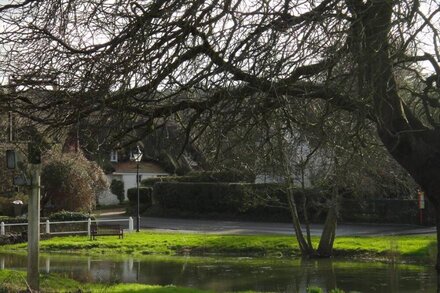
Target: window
114	156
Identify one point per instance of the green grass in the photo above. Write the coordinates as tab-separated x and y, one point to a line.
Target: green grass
414	246
167	243
145	243
14	281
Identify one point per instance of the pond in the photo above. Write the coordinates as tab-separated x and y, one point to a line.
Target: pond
237	274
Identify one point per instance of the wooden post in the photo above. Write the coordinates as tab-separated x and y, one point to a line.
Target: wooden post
34	230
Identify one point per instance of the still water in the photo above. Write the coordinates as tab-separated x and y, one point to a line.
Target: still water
237	274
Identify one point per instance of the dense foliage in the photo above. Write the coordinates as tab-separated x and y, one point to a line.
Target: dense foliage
7	207
69	216
71	182
117	188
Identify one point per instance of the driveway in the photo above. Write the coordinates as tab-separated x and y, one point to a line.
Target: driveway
258	228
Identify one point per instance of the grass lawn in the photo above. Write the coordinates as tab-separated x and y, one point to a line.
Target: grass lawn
143	243
14	281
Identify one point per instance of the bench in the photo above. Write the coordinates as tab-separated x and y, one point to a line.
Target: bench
106	230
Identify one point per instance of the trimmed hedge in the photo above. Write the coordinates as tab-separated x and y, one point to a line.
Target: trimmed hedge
385	211
199	197
250	201
12	220
145	195
69	216
268	202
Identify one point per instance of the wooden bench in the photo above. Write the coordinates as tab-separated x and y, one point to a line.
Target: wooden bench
106	230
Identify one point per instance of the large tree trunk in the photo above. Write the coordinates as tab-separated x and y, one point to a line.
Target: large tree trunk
415	146
306	249
325	247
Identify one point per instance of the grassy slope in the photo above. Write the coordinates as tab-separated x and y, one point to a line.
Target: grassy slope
179	243
14	281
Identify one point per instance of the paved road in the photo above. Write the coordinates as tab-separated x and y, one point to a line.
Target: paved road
252	228
249	228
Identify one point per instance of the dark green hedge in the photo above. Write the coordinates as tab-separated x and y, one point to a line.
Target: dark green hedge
268	202
69	216
145	195
251	201
199	197
385	211
12	220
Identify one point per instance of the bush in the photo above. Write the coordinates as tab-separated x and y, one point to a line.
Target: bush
7	207
149	182
384	211
247	201
145	196
13	220
117	188
199	197
71	182
69	216
145	199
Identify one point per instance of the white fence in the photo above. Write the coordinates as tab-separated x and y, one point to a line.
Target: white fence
89	222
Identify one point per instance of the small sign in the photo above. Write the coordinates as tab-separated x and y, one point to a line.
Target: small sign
21	181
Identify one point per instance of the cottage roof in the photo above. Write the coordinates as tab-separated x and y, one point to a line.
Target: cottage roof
144	167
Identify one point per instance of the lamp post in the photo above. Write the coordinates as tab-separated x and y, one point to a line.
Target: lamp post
137	157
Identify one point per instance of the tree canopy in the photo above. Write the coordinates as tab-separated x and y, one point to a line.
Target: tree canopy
142	61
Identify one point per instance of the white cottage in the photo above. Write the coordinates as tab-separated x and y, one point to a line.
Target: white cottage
126	172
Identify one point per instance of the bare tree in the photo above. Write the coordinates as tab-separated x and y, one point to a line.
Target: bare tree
141	60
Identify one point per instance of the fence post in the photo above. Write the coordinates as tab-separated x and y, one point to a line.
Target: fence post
47	226
89	224
2	229
130	224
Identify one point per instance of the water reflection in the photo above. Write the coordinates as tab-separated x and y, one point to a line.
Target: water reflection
238	274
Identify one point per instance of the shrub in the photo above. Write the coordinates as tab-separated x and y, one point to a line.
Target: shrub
71	182
13	220
69	216
117	188
149	182
145	199
251	201
314	290
7	207
145	195
199	197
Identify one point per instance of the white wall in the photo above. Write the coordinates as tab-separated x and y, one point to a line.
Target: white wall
130	179
106	197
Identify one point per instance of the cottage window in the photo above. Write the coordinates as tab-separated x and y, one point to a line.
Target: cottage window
114	156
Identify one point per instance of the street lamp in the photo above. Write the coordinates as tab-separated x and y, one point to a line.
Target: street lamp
137	157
